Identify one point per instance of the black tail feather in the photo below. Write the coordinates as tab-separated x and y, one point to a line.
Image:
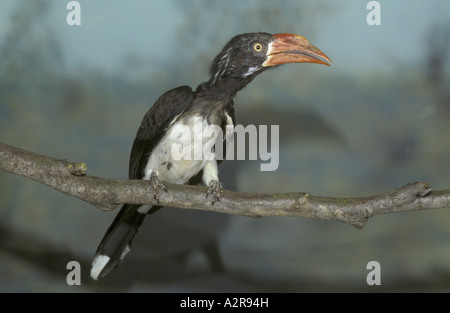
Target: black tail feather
117	241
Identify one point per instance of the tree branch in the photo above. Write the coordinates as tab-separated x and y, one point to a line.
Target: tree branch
106	194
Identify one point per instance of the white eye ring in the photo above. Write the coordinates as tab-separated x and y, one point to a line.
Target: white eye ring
257	47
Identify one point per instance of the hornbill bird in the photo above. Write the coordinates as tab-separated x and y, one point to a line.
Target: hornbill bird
240	61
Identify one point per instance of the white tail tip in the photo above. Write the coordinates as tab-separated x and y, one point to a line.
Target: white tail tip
98	264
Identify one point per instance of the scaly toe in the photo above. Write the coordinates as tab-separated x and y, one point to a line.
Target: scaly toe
157	185
215	190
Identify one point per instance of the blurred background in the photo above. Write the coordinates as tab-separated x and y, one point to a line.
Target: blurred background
375	120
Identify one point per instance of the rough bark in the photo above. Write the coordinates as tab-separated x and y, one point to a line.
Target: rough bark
106	194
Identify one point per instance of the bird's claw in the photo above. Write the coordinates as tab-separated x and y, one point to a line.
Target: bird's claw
215	190
157	185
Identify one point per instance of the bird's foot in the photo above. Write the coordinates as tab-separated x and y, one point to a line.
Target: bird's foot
157	185
215	190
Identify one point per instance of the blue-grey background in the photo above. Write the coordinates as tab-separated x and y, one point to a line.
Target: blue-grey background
377	119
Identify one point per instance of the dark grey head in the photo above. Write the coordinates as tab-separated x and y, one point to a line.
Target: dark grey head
247	55
243	55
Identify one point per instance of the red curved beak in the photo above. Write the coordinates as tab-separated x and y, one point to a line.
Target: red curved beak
292	48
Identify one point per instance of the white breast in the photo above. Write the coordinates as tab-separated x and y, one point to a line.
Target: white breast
181	152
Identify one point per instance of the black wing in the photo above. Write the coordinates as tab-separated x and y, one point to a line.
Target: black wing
154	124
230	111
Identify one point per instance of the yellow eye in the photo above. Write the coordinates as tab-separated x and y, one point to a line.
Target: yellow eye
258	47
